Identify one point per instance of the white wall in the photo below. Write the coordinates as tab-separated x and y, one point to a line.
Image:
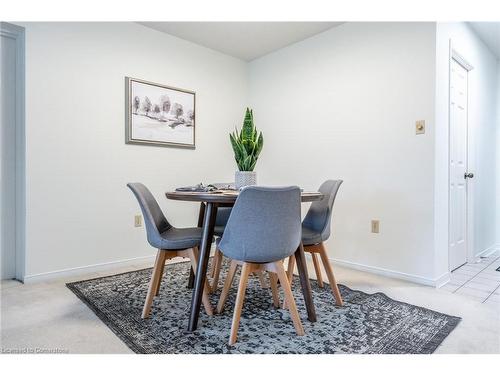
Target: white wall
498	156
8	84
482	137
343	104
79	211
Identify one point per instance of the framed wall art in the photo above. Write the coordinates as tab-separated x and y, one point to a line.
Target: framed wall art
159	115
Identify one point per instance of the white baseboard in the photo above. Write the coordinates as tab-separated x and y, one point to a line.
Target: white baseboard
438	282
488	251
68	272
99	267
441	280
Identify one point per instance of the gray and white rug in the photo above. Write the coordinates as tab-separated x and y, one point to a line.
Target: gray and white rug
367	323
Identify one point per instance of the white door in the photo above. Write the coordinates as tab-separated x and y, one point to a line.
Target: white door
8	53
458	165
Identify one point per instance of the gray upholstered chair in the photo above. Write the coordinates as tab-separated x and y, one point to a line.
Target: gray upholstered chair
223	214
263	230
316	230
171	242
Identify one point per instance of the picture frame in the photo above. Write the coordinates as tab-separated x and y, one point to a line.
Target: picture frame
159	115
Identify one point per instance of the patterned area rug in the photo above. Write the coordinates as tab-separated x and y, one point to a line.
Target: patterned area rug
367	323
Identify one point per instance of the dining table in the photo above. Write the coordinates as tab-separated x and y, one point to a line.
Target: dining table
209	203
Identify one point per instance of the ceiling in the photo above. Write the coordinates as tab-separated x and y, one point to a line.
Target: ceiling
244	40
489	32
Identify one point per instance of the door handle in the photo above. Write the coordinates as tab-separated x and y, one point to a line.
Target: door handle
468	175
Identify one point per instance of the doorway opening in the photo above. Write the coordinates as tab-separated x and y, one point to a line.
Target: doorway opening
460	197
12	150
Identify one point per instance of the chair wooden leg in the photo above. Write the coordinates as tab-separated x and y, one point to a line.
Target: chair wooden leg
262	279
291	266
317	269
153	284
217	264
274	289
227	286
193	256
329	273
212	266
162	267
283	277
217	254
245	271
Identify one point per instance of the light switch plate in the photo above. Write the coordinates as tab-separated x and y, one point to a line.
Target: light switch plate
375	226
420	127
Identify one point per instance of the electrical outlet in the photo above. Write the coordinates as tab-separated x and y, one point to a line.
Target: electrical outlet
375	226
420	127
137	221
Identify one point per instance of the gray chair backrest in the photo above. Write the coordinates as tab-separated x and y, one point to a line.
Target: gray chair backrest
222	216
264	225
154	220
319	216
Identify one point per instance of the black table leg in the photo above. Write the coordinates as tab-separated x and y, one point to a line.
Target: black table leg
304	282
201	271
200	224
191	279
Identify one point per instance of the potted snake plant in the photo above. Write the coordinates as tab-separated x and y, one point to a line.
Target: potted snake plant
247	145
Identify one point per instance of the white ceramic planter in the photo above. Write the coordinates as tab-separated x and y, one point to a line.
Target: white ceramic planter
244	178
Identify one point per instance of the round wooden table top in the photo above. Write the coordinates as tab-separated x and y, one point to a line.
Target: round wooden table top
226	196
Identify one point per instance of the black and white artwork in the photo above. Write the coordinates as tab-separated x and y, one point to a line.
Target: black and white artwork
159	115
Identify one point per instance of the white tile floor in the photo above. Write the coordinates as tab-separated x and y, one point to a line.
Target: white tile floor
478	281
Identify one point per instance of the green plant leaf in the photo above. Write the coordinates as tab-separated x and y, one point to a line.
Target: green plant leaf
236	150
259	145
252	166
247	129
247	143
247	163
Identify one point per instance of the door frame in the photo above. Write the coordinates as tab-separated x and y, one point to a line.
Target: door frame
17	33
454	54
